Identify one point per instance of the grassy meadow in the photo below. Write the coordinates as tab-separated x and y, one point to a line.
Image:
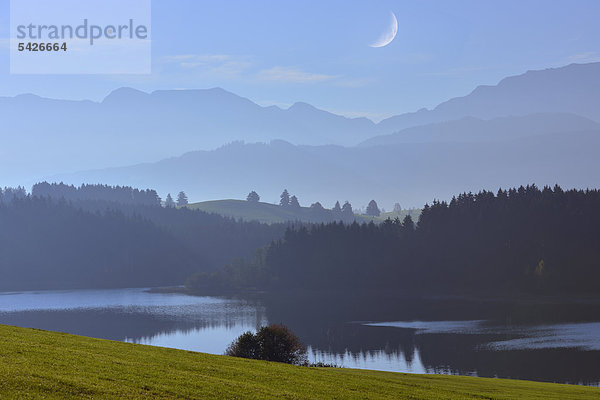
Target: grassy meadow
273	213
41	364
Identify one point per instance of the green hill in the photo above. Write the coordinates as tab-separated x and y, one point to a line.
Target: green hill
40	364
272	213
249	211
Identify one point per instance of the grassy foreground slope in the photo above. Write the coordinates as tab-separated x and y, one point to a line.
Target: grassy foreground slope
35	364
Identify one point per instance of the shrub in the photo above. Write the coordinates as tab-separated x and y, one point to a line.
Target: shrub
245	346
271	343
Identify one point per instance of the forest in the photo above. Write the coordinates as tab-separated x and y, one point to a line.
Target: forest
102	236
118	194
525	240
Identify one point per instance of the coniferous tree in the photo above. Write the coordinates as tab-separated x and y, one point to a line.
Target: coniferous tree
182	199
294	202
336	211
337	208
317	206
169	203
253	197
285	198
373	209
347	213
318	212
397	208
408	223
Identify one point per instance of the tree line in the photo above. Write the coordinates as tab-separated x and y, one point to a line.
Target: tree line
315	213
52	241
525	240
51	245
118	194
8	194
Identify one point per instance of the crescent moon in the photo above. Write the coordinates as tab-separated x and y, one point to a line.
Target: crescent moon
389	35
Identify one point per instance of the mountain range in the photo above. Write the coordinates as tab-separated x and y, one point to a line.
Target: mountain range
410	174
549	118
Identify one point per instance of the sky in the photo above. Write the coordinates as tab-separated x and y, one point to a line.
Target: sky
281	52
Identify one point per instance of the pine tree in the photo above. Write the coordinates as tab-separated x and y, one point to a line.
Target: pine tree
253	197
169	203
337	208
408	223
373	209
347	213
182	199
285	198
397	208
317	207
294	202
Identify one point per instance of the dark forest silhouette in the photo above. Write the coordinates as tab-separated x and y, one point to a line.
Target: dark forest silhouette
518	240
118	194
69	239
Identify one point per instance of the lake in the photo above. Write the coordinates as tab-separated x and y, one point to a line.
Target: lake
535	339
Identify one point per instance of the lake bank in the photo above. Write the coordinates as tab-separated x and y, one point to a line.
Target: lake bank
55	365
517	340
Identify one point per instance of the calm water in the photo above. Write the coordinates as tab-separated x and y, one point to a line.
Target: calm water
538	340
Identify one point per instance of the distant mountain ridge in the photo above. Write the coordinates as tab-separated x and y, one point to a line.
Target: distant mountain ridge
408	173
472	130
131	127
574	89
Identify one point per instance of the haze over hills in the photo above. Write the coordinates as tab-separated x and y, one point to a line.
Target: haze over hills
130	127
574	89
470	129
411	173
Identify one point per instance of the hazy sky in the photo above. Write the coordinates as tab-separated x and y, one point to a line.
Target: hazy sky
280	52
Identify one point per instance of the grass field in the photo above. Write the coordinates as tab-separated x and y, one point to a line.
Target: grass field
40	364
248	211
271	213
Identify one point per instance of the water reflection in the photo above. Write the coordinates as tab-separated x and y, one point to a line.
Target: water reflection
463	327
535	340
378	360
134	315
208	339
584	336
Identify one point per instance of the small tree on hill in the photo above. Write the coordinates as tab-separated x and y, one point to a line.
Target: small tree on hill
285	198
271	343
397	208
337	210
347	213
169	203
373	209
182	199
253	197
245	346
294	202
317	207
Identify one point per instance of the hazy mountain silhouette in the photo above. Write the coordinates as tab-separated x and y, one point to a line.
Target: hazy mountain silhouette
572	89
409	173
469	129
130	126
43	137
